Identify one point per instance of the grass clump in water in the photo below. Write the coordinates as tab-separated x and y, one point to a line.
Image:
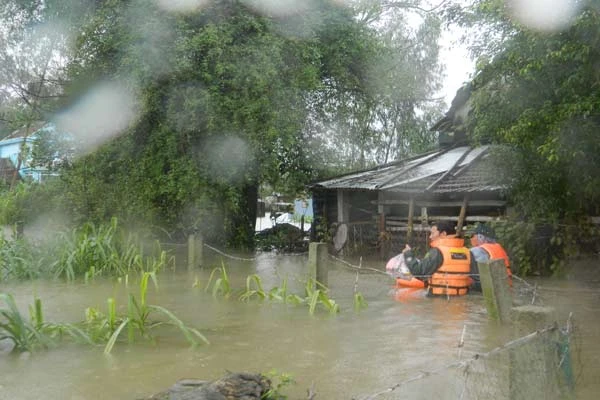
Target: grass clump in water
29	334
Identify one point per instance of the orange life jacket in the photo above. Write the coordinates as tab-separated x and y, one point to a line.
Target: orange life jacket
452	278
496	251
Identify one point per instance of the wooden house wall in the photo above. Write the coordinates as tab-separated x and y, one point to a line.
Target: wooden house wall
378	222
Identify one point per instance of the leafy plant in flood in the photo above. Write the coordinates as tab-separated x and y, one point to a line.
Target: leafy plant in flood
313	298
359	301
316	293
138	322
33	333
16	328
279	380
251	292
19	260
221	285
101	250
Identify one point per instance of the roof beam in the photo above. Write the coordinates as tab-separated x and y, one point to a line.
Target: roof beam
459	203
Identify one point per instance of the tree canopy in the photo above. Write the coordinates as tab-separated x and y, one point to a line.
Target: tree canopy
536	92
185	111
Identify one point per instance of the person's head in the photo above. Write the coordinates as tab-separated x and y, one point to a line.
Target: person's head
482	234
442	229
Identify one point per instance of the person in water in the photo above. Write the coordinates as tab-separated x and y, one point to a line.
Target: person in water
485	248
434	259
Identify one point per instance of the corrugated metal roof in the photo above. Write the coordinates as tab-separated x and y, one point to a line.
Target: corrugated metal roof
373	179
457	169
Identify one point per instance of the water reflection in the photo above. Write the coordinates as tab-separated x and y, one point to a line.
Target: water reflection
345	356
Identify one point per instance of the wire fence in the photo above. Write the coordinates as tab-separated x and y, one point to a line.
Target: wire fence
487	375
494	373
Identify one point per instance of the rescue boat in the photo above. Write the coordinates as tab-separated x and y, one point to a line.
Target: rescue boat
396	267
409	281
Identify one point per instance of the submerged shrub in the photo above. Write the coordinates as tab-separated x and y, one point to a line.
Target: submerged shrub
102	250
19	260
29	334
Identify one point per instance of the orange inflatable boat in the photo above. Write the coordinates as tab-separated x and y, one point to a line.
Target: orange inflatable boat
409	281
404	279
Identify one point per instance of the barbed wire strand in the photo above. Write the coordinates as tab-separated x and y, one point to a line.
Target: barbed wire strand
463	364
228	255
358	267
461	342
534	288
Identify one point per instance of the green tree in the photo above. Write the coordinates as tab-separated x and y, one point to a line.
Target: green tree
223	102
536	91
223	98
34	48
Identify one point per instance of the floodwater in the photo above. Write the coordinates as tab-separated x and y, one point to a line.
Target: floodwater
351	355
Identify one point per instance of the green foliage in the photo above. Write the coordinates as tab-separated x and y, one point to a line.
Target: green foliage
221	286
280	380
315	294
89	251
97	328
26	335
257	292
231	98
33	333
25	202
19	260
359	301
536	93
101	250
543	248
138	322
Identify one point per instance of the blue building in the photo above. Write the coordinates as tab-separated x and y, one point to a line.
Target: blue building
20	142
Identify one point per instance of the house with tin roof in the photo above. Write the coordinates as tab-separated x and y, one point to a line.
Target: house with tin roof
382	208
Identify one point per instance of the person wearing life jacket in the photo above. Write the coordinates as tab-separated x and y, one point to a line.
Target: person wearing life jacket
447	264
485	248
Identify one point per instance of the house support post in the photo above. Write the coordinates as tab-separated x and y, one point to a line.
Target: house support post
425	224
383	237
411	211
461	216
382	233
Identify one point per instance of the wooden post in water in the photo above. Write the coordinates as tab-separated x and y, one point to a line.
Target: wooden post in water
534	371
195	249
317	262
496	290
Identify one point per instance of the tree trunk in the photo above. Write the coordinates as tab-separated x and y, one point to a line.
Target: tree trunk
244	219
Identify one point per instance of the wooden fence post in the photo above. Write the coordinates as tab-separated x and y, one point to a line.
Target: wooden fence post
195	251
534	366
496	290
317	263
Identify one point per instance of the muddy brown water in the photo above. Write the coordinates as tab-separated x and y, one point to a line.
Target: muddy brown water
344	356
